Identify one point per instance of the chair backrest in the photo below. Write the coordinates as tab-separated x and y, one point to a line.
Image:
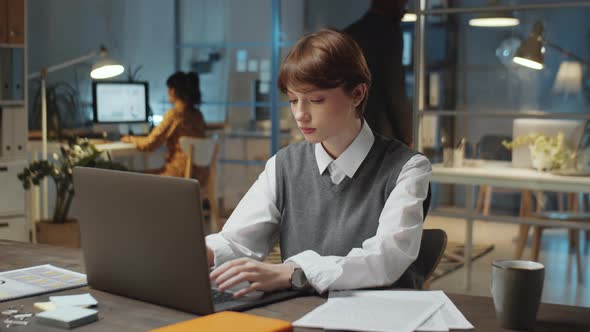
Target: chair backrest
201	151
432	248
491	148
426	203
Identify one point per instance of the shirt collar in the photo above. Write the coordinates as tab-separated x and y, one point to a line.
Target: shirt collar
350	160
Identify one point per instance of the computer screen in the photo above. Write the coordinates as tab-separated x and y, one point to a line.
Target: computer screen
117	102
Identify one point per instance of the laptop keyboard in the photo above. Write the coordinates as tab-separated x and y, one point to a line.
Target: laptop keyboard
220	297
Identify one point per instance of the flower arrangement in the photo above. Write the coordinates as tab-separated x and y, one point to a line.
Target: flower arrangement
79	152
547	152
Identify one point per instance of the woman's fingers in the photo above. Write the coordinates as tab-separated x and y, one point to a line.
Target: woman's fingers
232	271
253	287
261	276
226	266
236	279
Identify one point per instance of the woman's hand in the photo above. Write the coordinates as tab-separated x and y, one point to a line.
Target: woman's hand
127	139
261	276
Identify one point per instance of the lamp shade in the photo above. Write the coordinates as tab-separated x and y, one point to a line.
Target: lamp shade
494	20
106	68
409	17
569	78
530	54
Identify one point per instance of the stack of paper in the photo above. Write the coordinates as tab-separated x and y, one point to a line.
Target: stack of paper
67	311
68	317
80	300
404	311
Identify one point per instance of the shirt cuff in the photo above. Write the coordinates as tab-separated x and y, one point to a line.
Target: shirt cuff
320	271
222	251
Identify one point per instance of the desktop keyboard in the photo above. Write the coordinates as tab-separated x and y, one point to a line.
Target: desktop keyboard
220	297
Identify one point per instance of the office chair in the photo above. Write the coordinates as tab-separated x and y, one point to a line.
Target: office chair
204	152
575	211
432	248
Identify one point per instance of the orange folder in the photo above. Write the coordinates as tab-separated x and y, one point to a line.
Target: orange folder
229	321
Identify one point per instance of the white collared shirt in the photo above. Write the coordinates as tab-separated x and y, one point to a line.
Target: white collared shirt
253	228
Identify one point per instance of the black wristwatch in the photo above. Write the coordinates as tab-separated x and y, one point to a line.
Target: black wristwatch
298	279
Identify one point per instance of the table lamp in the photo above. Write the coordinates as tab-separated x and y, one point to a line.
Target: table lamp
531	53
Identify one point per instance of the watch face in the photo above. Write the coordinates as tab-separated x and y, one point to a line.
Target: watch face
298	279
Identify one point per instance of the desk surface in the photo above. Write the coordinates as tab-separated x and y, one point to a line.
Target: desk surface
501	174
123	314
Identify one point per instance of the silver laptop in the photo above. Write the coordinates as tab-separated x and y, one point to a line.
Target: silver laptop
143	237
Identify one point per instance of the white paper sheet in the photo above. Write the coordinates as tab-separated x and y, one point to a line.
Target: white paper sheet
450	315
365	312
453	317
81	300
434	323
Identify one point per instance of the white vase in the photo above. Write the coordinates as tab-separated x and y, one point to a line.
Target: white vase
540	160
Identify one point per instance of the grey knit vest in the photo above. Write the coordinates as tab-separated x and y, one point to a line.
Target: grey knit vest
332	219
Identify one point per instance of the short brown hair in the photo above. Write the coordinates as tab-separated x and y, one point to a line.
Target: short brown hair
326	59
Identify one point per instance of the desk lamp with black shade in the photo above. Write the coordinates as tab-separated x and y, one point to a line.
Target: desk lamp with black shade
531	53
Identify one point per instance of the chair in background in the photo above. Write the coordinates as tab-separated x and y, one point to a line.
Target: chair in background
575	211
204	152
432	248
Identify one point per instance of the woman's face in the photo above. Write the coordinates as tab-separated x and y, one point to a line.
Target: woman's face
324	114
171	95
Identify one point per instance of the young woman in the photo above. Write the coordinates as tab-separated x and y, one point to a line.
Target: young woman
182	120
346	204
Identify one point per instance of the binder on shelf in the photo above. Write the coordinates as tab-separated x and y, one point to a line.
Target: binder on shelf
19	130
6	127
5	74
13	135
18	74
12	74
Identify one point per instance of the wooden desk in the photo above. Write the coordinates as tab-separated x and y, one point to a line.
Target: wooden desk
123	314
501	174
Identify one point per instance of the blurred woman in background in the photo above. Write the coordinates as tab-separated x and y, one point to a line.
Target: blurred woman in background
184	119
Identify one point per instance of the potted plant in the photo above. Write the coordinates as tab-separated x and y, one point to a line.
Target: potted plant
547	152
63	107
60	230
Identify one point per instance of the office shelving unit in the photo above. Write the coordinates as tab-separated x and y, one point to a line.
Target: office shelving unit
13	119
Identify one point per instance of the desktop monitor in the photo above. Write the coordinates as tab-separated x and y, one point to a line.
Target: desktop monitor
120	102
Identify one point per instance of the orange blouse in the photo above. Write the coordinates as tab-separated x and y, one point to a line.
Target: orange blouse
176	123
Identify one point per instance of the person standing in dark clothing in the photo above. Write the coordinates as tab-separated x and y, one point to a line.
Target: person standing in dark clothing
379	35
